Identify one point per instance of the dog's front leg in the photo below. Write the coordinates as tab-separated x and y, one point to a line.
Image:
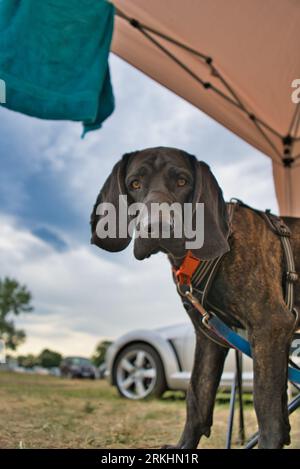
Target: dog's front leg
208	366
270	348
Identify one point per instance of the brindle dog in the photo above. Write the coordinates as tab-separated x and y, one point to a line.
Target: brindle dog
248	285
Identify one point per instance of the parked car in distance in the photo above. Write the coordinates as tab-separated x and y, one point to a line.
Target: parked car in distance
102	370
146	363
78	367
39	370
54	371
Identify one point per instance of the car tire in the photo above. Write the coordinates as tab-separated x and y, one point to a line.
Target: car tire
142	367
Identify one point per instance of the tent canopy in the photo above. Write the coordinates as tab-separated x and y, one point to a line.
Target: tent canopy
234	60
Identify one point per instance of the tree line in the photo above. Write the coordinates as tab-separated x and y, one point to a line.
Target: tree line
16	299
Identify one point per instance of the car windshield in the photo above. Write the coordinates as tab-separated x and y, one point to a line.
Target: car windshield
80	361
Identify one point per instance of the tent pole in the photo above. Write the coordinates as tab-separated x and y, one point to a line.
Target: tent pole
288	190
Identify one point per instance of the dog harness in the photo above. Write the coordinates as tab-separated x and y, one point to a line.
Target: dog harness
196	275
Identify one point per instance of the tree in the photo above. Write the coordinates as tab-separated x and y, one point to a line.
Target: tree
14	300
99	355
48	358
28	361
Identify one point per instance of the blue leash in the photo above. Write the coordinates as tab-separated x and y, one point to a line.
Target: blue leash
239	343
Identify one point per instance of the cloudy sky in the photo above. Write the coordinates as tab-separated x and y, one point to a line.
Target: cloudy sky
49	180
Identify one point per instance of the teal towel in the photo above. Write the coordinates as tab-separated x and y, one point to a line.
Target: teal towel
54	58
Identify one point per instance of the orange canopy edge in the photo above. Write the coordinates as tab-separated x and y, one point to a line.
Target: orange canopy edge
234	60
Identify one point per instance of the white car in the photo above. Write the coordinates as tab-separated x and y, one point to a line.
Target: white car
148	362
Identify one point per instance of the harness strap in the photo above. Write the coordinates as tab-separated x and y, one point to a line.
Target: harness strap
207	270
193	272
278	226
282	230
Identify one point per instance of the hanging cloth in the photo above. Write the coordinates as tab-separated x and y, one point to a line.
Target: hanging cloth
54	59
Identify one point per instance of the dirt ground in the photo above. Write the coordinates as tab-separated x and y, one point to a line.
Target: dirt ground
49	412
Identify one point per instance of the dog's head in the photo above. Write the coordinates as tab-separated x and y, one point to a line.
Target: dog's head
148	179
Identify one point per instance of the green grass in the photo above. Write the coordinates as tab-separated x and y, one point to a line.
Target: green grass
49	412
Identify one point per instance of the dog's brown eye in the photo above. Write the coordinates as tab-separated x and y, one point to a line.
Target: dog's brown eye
135	184
181	182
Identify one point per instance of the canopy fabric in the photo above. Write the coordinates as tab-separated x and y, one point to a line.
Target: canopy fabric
234	60
53	58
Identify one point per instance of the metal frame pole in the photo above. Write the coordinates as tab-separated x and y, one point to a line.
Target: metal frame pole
236	387
239	367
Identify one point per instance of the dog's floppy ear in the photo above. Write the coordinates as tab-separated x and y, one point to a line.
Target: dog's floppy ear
113	188
216	226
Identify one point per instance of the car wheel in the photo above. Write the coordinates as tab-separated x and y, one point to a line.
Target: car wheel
139	372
